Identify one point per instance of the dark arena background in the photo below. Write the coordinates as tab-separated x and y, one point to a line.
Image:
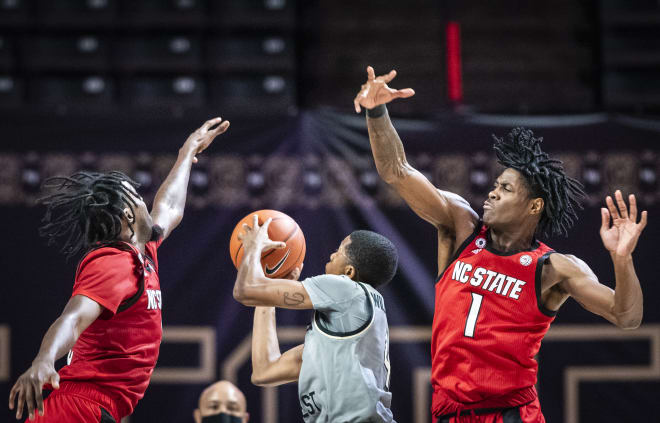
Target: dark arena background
120	84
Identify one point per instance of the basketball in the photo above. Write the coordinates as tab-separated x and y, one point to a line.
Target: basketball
276	263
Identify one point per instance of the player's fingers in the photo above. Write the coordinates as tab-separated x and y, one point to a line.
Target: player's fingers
404	93
633	207
605	219
273	245
356	103
12	396
19	404
388	77
264	227
612	209
29	400
295	274
221	128
40	402
642	222
623	208
55	381
194	160
255	221
209	123
371	75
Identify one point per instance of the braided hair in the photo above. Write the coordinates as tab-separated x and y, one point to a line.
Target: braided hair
85	209
544	177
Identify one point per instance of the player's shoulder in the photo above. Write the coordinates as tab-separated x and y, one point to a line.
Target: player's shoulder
109	255
328	278
567	265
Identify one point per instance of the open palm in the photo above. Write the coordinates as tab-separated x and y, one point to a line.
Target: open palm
376	92
619	229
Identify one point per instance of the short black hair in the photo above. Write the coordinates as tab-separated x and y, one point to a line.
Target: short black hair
545	178
375	257
86	209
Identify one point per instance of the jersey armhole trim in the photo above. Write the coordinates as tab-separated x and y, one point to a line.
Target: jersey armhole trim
356	332
537	285
477	230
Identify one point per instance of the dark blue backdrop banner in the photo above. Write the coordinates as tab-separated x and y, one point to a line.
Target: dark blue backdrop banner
317	168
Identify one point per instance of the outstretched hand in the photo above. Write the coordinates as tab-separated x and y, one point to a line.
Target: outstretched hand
619	229
257	236
376	92
199	140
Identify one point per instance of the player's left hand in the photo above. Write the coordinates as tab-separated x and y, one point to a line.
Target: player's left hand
256	236
295	273
199	140
619	229
28	387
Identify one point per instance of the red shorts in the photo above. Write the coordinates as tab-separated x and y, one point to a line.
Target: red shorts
77	402
528	413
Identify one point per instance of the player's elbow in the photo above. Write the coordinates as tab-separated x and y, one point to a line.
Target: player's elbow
260	379
257	379
243	295
629	323
239	294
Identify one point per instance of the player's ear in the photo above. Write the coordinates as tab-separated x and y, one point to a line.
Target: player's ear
536	205
350	271
128	214
246	417
197	415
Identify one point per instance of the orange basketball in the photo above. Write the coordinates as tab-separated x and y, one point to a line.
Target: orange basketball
276	263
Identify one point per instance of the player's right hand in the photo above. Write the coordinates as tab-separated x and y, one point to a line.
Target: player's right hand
29	385
256	236
376	92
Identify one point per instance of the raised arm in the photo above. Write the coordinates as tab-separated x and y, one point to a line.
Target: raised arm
170	200
623	305
444	210
269	366
252	287
78	314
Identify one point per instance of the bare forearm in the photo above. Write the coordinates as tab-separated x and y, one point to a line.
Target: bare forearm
250	277
59	339
265	345
386	146
173	192
628	298
269	366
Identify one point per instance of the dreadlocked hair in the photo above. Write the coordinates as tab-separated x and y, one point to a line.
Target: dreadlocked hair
85	209
545	178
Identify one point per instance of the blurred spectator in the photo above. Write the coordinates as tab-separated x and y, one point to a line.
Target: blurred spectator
222	402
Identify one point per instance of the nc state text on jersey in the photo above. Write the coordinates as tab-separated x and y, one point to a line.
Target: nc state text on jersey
489	280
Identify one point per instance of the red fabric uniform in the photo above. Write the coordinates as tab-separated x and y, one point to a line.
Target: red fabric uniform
115	356
487	328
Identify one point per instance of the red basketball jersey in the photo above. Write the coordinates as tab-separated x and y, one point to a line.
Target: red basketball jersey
487	327
117	353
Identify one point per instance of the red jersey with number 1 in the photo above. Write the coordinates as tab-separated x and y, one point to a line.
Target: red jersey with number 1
487	327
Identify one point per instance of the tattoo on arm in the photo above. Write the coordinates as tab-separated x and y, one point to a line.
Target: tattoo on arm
386	145
293	299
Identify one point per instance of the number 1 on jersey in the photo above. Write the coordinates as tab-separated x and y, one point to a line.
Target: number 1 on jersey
471	321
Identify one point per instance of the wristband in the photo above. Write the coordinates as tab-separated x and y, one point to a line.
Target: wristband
377	111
